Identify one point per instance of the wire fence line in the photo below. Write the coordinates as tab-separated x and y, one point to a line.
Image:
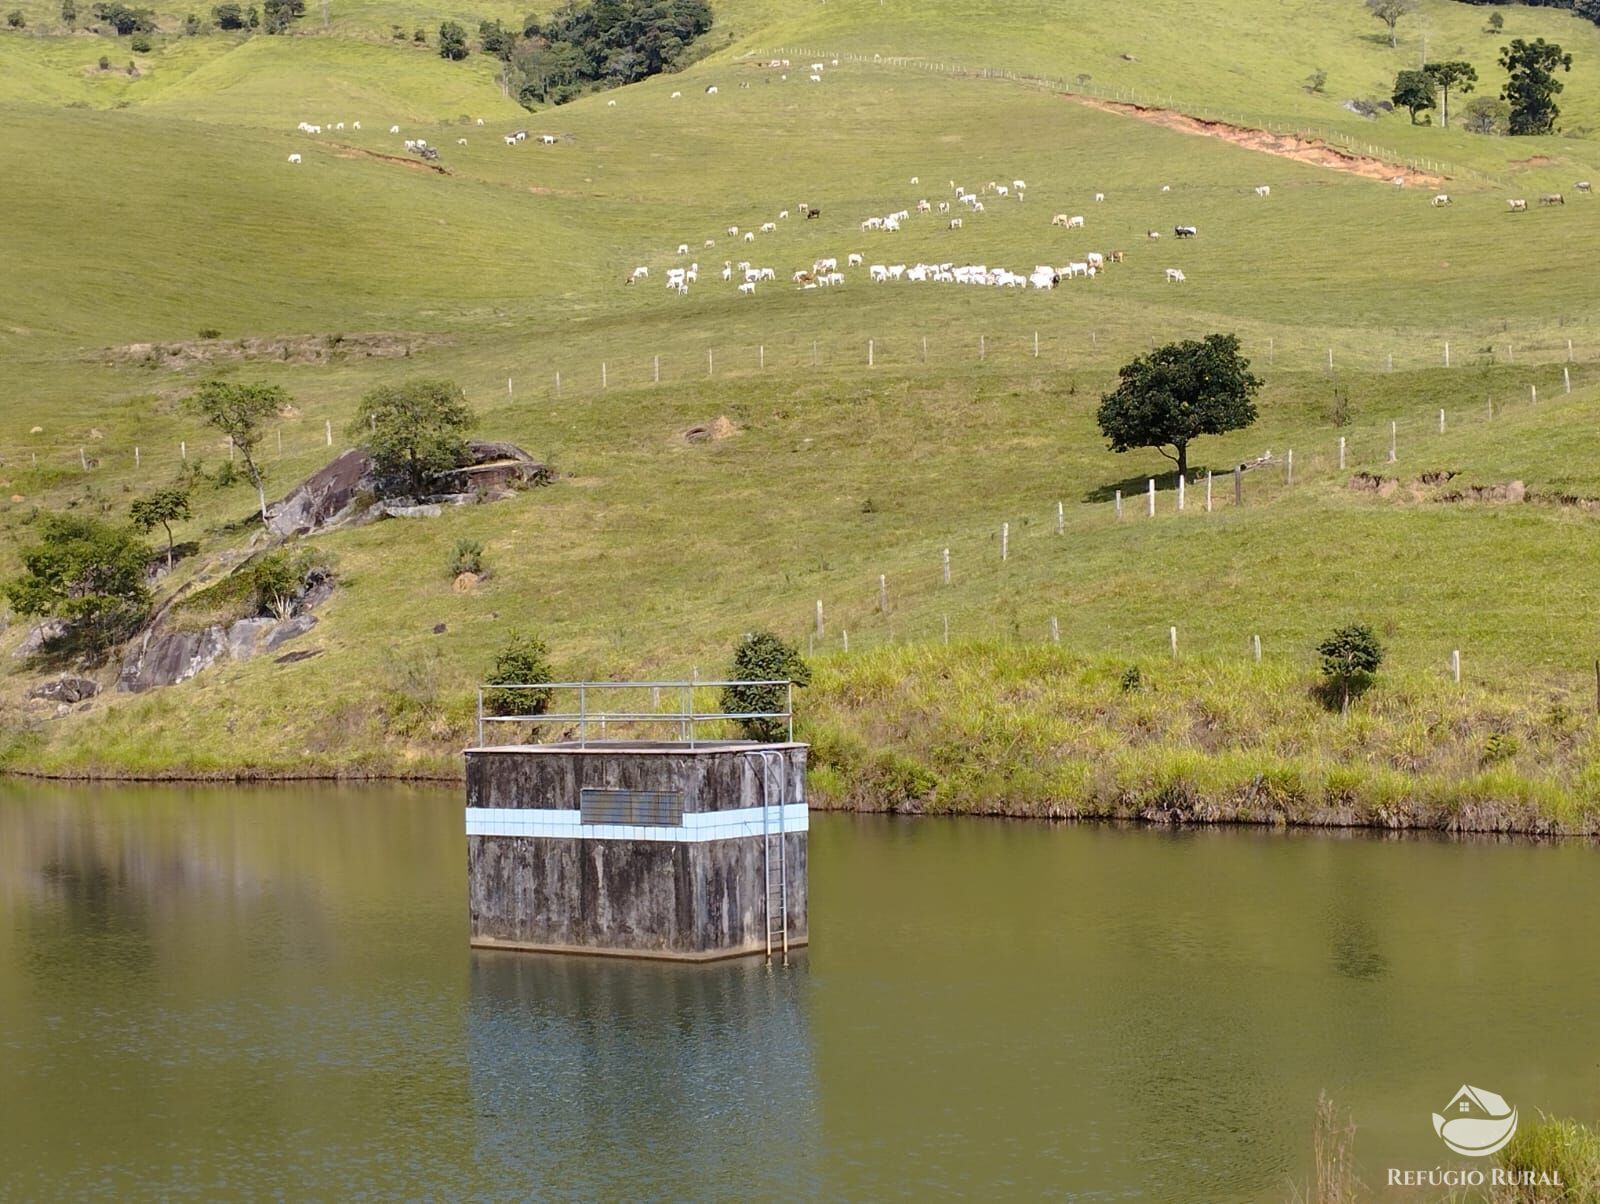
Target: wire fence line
1084	85
1564	363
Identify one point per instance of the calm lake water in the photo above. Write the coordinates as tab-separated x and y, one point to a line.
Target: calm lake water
228	992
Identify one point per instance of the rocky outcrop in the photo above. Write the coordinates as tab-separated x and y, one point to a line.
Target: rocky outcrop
164	658
65	689
328	497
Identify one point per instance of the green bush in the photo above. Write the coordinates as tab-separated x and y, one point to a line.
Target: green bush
275	579
763	656
105	62
1350	658
1131	680
467	558
140	44
524	661
87	573
15	19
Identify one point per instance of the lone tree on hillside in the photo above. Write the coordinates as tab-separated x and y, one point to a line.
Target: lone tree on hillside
161	509
763	656
241	412
87	573
1414	92
1453	74
1177	393
415	432
1390	12
1533	86
1350	658
452	41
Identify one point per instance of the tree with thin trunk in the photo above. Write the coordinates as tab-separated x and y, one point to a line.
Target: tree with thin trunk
1350	658
1414	91
1454	74
1176	394
1390	12
161	509
240	412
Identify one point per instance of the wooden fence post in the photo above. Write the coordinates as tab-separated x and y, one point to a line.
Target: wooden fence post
1341	453
1152	497
1005	539
1061	518
947	566
1119	505
1238	485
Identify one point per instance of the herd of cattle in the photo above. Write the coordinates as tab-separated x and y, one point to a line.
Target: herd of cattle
825	272
1518	204
419	146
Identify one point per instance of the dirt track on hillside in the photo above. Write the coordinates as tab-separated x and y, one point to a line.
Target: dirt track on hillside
1288	146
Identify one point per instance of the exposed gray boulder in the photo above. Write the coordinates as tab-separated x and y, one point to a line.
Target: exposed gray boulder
164	658
395	510
326	498
65	689
288	630
37	637
244	637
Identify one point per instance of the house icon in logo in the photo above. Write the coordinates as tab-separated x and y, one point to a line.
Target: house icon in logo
1476	1122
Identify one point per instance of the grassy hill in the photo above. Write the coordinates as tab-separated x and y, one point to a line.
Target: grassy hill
651	554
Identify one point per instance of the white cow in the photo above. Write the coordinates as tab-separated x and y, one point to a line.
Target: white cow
675	95
712	90
357	124
955	223
1517	206
1099	196
816	79
511	139
548	139
394	129
1442	198
749	236
1019	185
1075	222
768	227
748	287
1263	190
733	231
783	215
294	158
1060	219
683	248
611	104
853	259
461	141
1175	276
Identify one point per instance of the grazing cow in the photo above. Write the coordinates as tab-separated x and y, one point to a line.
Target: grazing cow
853	259
394	129
1019	185
944	206
1075	222
783	215
640	272
1552	198
294	158
711	90
511	139
1582	186
1099	196
1263	189
1175	276
768	227
1518	205
1060	219
733	231
461	141
816	66
548	139
340	126
711	242
825	265
977	206
955	223
1096	260
357	124
1166	188
1442	198
1185	231
924	207
766	274
683	248
811	213
1115	256
749	236
521	135
1152	233
480	121
749	286
816	79
1002	190
727	271
916	180
611	104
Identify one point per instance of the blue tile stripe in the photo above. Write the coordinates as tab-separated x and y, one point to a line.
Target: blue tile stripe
697	826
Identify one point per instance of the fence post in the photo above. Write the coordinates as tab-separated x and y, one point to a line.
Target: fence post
136	457
711	362
1036	344
510	392
327	431
655	370
924	349
1390	367
1288	467
558	384
1455	665
845	632
1441	422
602	374
1341	453
1238	485
1208	491
883	594
183	449
1533	394
1447	355
1152	497
1566	379
1391	441
947	566
1569	351
83	460
1255	648
869	352
819	616
1005	539
1180	491
1055	630
1061	518
1119	505
981	349
1172	636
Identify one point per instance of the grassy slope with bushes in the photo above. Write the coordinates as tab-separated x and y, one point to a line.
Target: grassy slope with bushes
652	554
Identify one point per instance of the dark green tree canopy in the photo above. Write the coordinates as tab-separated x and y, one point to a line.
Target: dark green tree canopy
415	431
87	573
452	41
1452	74
524	661
763	656
604	43
1533	87
1176	394
1414	91
1350	658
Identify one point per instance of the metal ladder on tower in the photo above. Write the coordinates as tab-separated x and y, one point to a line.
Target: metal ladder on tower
774	858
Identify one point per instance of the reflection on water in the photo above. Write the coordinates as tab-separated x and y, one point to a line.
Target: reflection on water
250	992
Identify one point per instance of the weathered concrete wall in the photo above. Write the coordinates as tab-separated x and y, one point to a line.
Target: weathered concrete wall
690	898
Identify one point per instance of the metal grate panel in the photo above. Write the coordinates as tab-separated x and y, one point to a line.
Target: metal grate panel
655	808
